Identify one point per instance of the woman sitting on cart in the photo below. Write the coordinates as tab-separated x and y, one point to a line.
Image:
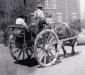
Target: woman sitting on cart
21	20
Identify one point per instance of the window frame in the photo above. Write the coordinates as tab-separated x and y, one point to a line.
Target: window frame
53	4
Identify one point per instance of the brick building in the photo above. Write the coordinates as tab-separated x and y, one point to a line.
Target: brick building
64	10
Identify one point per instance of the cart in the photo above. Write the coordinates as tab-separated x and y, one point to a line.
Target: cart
44	47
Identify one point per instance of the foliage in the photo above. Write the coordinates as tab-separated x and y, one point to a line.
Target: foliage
4	22
20	11
26	11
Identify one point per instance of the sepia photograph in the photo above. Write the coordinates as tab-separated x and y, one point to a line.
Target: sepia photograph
42	37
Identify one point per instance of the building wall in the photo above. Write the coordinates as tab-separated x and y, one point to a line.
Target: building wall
68	9
74	7
82	8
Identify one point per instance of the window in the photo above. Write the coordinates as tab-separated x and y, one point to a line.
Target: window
74	15
50	4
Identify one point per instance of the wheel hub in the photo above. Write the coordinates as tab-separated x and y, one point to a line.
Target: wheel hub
47	47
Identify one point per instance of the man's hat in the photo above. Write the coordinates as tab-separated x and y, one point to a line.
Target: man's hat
39	5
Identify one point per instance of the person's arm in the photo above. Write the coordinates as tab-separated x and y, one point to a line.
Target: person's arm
24	24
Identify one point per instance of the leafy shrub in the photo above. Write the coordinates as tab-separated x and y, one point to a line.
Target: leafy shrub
21	11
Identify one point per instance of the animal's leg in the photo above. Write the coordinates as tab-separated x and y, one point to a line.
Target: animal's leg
64	51
73	44
56	47
73	51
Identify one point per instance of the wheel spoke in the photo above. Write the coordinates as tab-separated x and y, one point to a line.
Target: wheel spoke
41	57
23	54
44	37
39	46
51	54
16	51
39	50
27	53
45	56
20	53
49	57
49	37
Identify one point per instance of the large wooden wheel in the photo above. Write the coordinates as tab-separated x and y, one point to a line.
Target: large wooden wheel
19	51
45	47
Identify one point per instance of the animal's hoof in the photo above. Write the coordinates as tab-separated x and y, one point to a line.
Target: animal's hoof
73	53
58	58
65	55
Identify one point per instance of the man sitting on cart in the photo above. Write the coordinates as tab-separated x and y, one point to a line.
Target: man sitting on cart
40	17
